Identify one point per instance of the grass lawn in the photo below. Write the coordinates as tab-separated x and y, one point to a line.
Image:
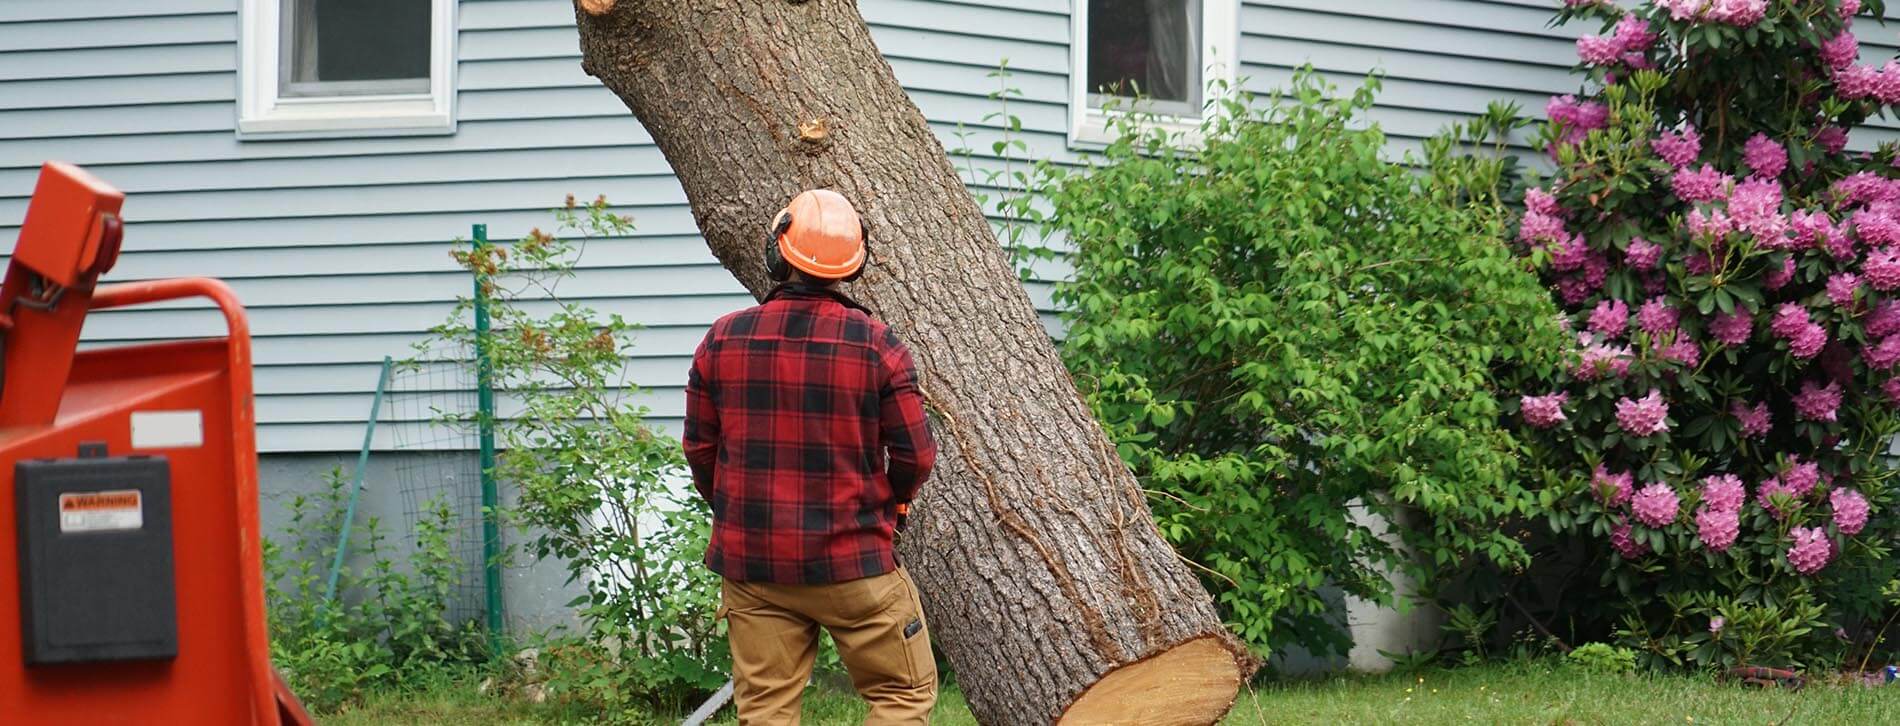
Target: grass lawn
1533	693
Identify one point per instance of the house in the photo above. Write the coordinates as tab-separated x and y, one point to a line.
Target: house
320	155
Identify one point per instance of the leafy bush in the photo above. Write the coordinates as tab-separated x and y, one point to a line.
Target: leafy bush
1730	274
1602	658
1278	326
385	627
599	489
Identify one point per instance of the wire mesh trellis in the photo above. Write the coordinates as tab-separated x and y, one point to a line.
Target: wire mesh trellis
430	410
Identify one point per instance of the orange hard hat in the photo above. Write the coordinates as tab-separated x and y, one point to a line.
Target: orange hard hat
821	235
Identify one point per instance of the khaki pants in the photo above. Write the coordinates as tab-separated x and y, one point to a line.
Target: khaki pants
875	621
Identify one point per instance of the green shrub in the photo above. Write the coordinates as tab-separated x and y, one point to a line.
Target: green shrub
599	489
385	627
1278	325
1602	658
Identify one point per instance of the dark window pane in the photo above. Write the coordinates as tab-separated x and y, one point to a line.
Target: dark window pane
1145	47
334	41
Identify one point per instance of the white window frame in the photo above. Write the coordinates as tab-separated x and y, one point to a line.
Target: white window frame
263	113
1220	57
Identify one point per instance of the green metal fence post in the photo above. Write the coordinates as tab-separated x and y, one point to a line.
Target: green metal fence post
485	399
362	465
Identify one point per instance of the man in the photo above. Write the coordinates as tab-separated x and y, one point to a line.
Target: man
805	431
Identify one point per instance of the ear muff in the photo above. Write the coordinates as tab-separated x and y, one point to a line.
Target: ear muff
864	235
775	265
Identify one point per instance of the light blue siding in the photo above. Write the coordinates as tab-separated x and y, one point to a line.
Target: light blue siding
339	246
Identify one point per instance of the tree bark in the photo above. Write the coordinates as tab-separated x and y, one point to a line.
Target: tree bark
1041	568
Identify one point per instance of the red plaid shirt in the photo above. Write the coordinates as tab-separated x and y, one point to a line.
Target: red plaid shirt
791	408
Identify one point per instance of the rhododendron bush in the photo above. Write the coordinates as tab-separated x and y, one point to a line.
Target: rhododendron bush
1730	273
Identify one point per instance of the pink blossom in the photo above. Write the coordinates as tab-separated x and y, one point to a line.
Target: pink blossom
1882	268
1655	505
1644	416
1569	254
1624	544
1713	225
1585	115
1683	351
1599	359
1575	289
1884	320
1857	81
1811	549
1882	355
1703	185
1755	206
1841	287
1754	421
1739	13
1657	316
1831	138
1612	489
1544	411
1731	329
1716	624
1678	148
1859	188
1808	342
1767	158
1765	495
1653	284
1850	8
1876	225
1599	50
1789	319
1723	492
1596	268
1539	228
1817	403
1850	510
1642	254
1839	243
1892	389
1634	33
1841	50
1718	528
1807	227
1801	477
1610	318
1537	200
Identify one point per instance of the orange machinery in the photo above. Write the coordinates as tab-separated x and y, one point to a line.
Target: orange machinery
131	584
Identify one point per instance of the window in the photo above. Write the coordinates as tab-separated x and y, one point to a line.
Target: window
1155	56
314	68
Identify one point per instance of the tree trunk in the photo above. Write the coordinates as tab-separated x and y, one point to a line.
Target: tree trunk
1046	582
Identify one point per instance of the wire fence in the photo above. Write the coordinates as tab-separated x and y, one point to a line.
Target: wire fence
430	409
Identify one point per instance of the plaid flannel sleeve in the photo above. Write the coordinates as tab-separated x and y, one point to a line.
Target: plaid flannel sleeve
702	420
905	435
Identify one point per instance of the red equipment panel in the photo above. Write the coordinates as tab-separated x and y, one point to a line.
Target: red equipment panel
188	401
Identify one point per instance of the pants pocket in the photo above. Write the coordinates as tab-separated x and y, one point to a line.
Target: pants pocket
919	659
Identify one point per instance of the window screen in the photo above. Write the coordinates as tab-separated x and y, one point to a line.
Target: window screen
1150	48
354	47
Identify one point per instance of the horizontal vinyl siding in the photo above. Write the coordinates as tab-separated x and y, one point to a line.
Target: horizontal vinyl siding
339	247
1443	61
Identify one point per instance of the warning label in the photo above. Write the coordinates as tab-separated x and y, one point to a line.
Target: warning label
101	511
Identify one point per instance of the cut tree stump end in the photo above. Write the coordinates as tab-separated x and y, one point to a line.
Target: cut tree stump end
1191	684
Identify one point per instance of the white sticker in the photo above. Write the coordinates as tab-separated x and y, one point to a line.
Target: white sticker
119	509
167	429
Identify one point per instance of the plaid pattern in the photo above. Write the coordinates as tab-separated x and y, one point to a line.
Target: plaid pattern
791	408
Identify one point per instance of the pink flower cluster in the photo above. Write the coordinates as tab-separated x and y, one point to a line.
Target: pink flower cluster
1765	157
1544	411
1739	13
1818	403
1679	148
1731	329
1577	118
1613	489
1718	528
1644	416
1841	50
1704	185
1610	318
1850	510
1811	549
1624	544
1657	316
1627	44
1857	82
1655	505
1805	337
1754	421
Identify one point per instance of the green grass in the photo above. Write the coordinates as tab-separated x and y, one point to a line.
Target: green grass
1529	693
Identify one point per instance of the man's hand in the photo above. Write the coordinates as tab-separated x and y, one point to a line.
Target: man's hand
903	515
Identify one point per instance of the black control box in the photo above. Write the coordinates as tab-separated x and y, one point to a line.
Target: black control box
96	581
